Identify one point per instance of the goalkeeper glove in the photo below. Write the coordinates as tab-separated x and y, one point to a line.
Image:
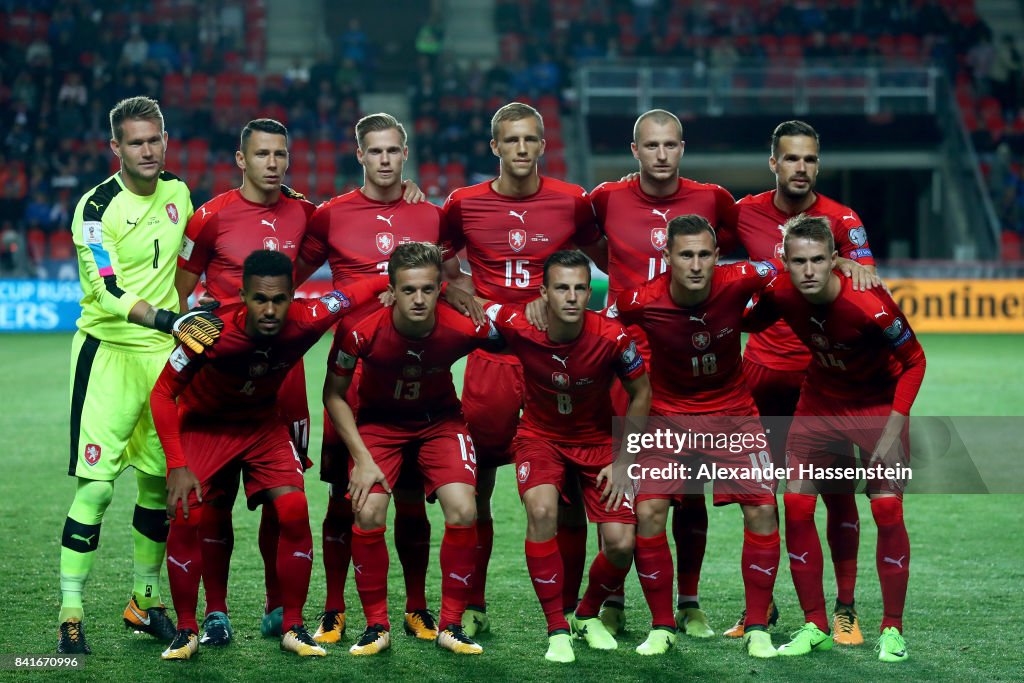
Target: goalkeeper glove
198	329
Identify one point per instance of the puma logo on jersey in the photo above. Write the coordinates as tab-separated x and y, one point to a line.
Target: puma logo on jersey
700	320
203	209
184	567
560	360
272	225
621	335
262	352
850	216
417	356
464	580
553	579
802	558
510	318
98	206
314	310
820	324
883	313
662	214
520	216
636	295
386	220
767	571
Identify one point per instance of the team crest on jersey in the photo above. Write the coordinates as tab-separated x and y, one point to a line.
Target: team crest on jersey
517	239
780	250
701	340
631	357
385	242
764	268
897	333
335	301
859	236
560	380
258	369
659	238
172	212
345	361
92	453
523	472
819	340
412	371
271	244
92	232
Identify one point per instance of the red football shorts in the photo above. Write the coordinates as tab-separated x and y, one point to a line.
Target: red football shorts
294	409
775	392
492	397
543	462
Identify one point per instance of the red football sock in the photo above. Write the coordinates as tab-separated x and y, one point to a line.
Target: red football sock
412	545
617	596
690	532
294	554
370	561
269	533
457	559
484	544
843	533
337	550
654	567
604	578
217	539
759	564
572	545
805	559
892	555
544	563
185	565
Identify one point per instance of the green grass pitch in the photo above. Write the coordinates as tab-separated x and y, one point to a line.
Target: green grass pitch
968	565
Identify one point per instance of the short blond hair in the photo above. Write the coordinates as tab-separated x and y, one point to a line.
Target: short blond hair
411	255
140	108
515	111
812	228
375	123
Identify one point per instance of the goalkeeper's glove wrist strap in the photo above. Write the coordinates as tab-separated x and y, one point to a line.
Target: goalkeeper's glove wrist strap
164	320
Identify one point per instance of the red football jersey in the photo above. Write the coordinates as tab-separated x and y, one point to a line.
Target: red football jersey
695	351
225	230
507	239
759	229
406	379
238	377
863	347
357	234
567	384
636	225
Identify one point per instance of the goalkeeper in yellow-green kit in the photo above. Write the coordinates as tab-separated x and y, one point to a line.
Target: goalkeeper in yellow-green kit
127	232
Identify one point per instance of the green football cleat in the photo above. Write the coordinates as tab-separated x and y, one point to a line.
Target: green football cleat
613	616
809	638
759	644
594	632
475	622
891	646
693	622
659	641
272	624
217	630
560	648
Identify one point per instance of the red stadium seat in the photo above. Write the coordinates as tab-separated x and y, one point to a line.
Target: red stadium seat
174	90
199	92
62	246
35	240
323	189
430	177
454	175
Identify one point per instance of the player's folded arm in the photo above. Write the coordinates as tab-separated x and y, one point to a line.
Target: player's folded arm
760	316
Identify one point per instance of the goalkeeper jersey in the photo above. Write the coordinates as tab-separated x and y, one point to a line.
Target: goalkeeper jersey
127	252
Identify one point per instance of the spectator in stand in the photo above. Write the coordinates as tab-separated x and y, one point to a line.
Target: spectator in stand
135	49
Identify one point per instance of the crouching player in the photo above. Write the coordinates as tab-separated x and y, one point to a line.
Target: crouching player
227	418
867	370
566	432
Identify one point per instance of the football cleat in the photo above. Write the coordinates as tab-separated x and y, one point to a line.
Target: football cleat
613	616
455	639
693	622
272	624
560	648
331	628
184	645
891	646
298	640
659	641
759	644
421	624
594	632
217	630
375	639
71	639
736	630
153	621
475	621
808	638
845	626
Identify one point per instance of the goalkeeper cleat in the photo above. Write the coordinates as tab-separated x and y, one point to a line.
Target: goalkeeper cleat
153	621
560	648
272	624
455	639
421	624
217	631
475	621
759	644
693	622
298	640
184	645
331	628
891	646
845	626
736	630
613	616
594	632
375	639
809	638
659	641
71	639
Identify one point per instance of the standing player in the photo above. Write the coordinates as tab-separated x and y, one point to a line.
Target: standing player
565	433
509	226
691	317
261	214
357	232
126	231
774	361
634	214
227	418
867	370
408	411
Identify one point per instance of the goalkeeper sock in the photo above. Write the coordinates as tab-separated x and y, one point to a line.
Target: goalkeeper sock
149	532
79	541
